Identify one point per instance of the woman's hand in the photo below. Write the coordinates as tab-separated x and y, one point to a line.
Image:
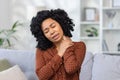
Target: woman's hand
65	43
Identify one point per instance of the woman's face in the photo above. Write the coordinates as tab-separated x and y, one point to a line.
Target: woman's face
52	30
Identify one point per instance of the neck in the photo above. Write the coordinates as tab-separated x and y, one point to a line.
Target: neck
57	45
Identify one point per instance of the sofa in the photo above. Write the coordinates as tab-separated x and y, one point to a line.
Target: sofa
24	59
101	66
96	66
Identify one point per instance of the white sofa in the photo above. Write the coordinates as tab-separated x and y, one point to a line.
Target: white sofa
25	60
100	67
95	67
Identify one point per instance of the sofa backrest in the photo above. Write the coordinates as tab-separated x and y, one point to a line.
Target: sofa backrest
106	67
25	59
100	67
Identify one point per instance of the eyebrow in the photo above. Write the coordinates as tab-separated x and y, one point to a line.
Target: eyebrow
49	25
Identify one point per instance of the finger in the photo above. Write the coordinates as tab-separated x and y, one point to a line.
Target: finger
71	43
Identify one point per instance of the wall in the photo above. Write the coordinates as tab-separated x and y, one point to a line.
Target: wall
4	13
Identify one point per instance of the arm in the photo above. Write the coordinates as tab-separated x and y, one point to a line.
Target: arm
45	70
73	58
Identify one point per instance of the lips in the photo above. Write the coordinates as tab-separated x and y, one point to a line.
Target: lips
55	36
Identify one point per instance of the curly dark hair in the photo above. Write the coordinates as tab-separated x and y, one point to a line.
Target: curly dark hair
58	15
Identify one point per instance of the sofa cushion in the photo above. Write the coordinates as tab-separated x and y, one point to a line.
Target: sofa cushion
106	67
13	73
86	68
25	59
4	64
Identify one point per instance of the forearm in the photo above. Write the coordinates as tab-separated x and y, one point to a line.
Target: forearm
71	64
74	57
45	72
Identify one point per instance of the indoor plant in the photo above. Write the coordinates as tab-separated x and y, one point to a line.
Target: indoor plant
92	32
7	34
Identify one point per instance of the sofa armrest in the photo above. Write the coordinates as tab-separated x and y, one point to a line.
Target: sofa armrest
86	68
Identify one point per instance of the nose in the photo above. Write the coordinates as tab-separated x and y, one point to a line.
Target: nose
52	31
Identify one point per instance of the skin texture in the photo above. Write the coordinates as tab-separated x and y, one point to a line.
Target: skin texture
53	31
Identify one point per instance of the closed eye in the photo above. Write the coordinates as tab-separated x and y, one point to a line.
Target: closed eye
46	31
53	25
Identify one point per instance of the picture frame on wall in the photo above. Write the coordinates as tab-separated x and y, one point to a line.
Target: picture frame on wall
115	3
90	14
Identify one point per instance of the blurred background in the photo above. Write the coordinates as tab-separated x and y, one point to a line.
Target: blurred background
96	22
20	12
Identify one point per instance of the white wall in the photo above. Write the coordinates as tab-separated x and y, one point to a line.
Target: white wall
4	13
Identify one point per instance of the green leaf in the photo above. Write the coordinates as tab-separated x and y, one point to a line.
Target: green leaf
96	34
14	37
1	41
88	30
16	24
94	28
8	41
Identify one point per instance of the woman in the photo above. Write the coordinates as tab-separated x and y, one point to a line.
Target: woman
57	56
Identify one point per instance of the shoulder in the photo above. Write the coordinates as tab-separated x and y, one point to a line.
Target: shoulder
79	44
80	47
39	52
42	52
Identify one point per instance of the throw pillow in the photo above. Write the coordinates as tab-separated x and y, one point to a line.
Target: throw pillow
4	64
13	73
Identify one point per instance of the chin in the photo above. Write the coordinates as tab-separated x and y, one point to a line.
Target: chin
57	40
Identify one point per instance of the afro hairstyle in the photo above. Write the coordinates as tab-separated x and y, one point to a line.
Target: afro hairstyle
58	15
